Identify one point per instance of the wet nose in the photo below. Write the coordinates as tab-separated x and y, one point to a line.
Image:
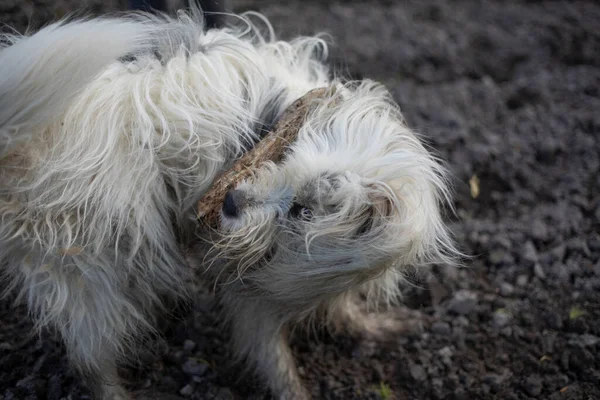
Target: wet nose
231	205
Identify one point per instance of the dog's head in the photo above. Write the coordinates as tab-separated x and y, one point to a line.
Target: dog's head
356	195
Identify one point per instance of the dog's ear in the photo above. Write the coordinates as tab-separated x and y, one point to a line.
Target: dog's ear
378	209
381	200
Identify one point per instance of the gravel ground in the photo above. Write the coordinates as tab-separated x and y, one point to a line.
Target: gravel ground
509	93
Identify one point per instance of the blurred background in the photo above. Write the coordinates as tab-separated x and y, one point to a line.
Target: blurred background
508	93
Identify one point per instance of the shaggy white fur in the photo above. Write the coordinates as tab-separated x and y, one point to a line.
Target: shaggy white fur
112	129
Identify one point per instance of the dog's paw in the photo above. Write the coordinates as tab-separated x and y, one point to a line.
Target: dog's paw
387	326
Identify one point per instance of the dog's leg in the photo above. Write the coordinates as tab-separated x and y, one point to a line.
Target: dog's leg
351	317
94	309
260	337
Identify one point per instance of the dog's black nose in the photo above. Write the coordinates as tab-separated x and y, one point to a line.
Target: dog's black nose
230	208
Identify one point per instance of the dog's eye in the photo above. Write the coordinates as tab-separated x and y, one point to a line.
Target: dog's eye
300	211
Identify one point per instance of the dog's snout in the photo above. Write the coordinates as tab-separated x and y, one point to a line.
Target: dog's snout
233	203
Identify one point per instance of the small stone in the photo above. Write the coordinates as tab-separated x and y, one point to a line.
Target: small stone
463	302
538	271
494	381
585	340
500	318
440	328
578	245
187	390
418	372
461	321
596	268
193	367
594	243
189	345
533	385
539	230
446	354
506	289
559	252
496	256
522	280
530	254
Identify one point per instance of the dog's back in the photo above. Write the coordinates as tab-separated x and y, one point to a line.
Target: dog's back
41	74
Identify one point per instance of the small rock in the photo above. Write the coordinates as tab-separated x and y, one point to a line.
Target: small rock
530	254
418	372
501	241
440	328
500	318
578	245
446	351
187	390
461	321
533	385
594	243
585	340
596	268
193	367
5	346
559	252
494	381
496	256
539	272
506	289
539	230
446	354
189	345
463	302
522	280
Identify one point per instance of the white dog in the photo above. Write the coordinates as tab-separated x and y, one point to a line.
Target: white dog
112	129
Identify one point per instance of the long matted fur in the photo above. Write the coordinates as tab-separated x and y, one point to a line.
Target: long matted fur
111	129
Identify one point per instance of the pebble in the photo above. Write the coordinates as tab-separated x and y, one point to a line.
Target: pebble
538	271
585	340
446	354
530	254
533	385
522	280
539	230
506	289
193	367
440	328
559	252
187	390
463	302
418	372
496	256
494	381
500	318
189	345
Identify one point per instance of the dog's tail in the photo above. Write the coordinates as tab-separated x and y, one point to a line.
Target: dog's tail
40	74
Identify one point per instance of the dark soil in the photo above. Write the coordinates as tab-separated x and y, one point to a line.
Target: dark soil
506	91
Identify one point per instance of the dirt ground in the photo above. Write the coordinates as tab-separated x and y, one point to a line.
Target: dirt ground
508	92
